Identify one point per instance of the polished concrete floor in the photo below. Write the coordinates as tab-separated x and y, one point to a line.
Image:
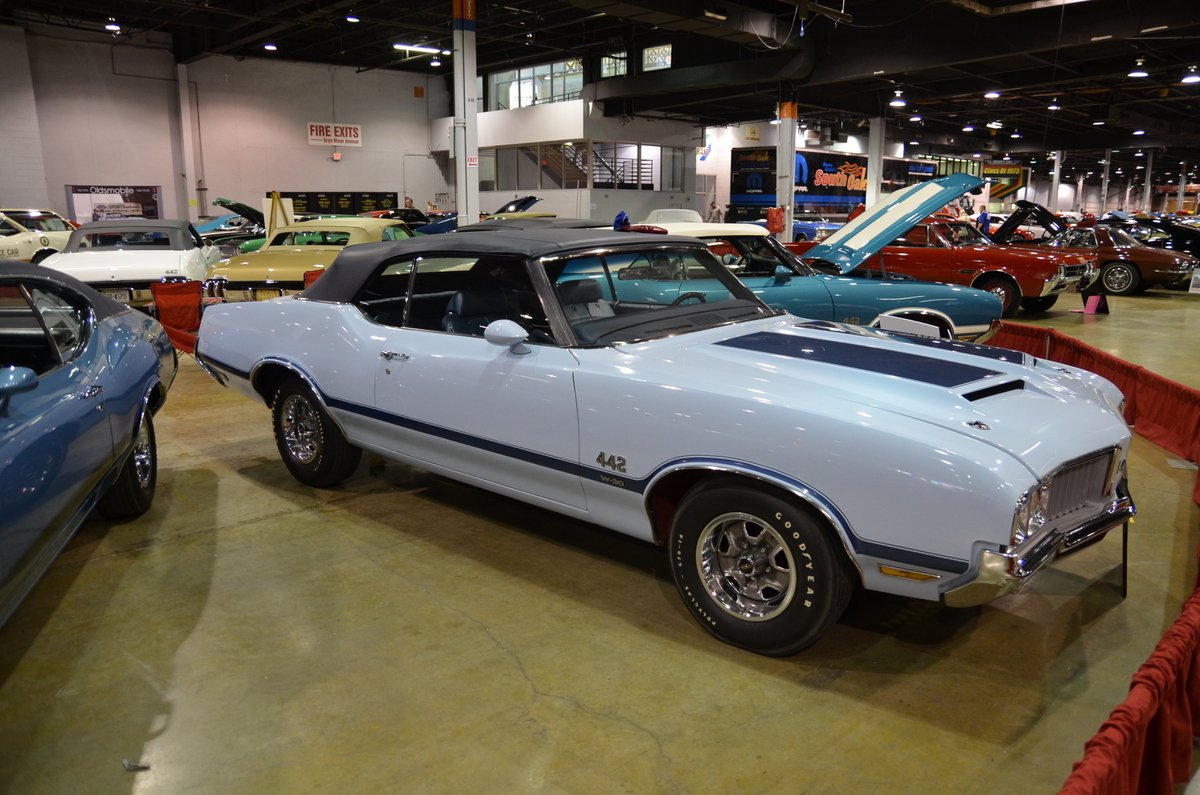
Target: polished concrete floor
406	634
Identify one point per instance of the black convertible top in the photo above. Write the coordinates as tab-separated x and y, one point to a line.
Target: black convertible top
102	305
355	264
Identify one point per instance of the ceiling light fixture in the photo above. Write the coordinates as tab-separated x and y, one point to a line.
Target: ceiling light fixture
1190	76
976	155
1139	132
915	117
270	47
1139	69
1054	105
417	48
1097	122
113	27
1015	134
968	127
898	100
718	13
992	95
445	52
436	62
351	18
994	125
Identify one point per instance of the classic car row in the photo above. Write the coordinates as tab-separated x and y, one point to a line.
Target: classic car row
630	380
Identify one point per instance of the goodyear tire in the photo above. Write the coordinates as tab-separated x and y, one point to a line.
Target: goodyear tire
310	443
757	570
133	491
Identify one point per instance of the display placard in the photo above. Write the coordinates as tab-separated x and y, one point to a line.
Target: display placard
341	202
109	202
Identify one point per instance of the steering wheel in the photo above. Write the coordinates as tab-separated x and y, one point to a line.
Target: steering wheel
686	296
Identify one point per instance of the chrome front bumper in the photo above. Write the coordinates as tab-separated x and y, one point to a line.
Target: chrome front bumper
1001	573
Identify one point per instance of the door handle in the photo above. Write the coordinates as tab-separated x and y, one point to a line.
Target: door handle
91	391
389	355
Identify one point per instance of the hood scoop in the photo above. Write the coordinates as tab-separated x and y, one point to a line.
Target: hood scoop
994	389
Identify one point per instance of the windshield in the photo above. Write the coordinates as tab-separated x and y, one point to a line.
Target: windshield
816	217
961	234
39	222
641	294
748	255
1122	238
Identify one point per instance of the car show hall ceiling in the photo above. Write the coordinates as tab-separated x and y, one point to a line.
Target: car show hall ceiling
842	61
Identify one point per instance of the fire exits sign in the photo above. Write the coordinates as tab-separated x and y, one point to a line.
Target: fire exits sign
321	133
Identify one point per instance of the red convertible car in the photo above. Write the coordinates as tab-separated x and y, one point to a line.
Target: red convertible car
945	250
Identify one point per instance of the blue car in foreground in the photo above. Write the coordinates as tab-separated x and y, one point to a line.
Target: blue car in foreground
808	226
81	377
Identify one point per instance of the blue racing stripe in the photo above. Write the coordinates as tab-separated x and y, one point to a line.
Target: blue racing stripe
912	367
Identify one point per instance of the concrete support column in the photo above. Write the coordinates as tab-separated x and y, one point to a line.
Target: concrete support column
875	139
1055	180
785	168
1182	186
191	178
466	131
1104	183
1147	189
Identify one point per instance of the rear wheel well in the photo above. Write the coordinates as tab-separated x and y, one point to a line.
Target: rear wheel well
267	379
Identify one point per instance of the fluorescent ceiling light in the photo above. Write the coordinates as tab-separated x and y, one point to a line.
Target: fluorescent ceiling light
1139	132
716	13
915	117
994	125
1054	105
417	48
992	95
1097	122
270	47
968	127
115	28
1139	69
351	18
1190	76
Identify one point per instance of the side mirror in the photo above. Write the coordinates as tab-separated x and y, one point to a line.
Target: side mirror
783	274
509	334
12	381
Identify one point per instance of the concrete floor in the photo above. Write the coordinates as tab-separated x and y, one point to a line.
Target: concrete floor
407	634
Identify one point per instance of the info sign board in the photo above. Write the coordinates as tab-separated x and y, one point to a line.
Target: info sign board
330	133
110	202
824	181
1005	180
340	202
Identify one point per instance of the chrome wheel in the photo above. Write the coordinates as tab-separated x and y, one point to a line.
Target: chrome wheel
143	457
1119	278
746	567
301	429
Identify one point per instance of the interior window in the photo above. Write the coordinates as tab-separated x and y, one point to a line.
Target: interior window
490	289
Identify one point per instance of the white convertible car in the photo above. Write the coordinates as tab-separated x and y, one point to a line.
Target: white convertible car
781	462
122	258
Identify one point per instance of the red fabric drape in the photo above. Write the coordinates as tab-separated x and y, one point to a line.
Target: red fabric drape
1069	350
1145	746
1033	340
1168	414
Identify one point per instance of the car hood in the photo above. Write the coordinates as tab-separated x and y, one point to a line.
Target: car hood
279	265
1025	213
121	265
999	397
251	214
866	235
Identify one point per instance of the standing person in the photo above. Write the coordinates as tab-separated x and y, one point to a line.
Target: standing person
715	214
408	203
983	222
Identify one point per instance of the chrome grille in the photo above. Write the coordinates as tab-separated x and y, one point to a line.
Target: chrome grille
1073	271
1078	484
